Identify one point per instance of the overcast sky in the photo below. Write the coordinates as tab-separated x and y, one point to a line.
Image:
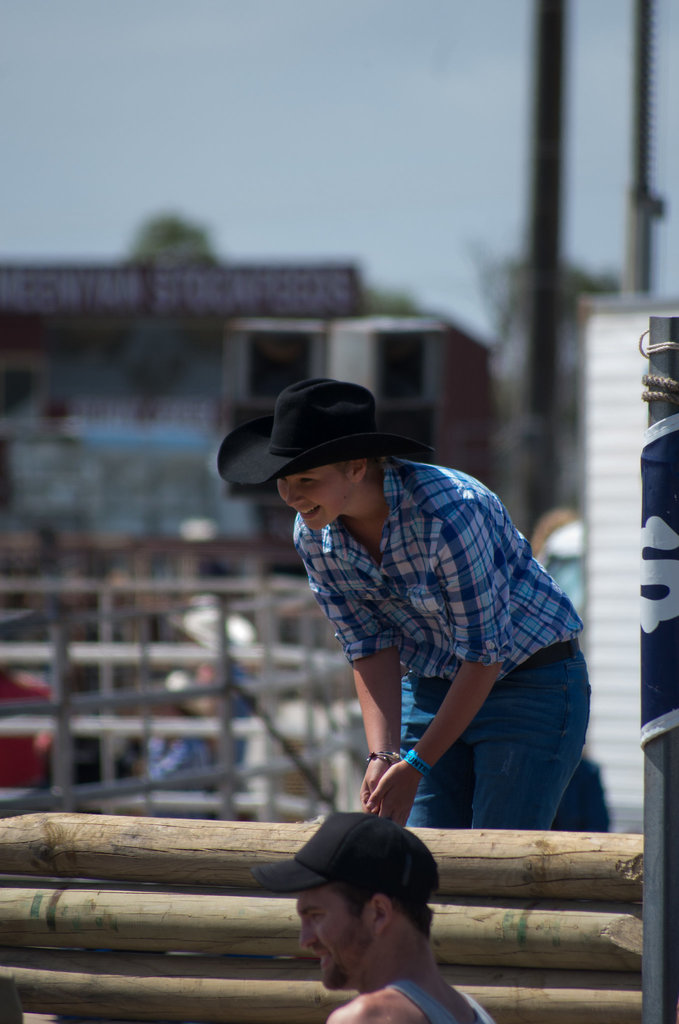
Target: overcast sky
391	133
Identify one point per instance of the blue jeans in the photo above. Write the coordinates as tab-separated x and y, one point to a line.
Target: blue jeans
511	765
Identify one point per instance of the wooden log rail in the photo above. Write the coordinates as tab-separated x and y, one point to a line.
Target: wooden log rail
540	927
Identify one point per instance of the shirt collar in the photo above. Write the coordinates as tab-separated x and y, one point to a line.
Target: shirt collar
336	539
393	485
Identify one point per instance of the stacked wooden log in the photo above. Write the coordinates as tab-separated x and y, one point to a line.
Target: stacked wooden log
140	919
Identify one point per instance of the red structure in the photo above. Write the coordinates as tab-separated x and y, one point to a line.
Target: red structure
24	760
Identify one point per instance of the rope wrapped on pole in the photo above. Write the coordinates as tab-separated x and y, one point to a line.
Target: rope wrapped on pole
660	387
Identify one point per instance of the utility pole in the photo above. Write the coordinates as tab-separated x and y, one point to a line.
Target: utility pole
644	206
544	277
659	676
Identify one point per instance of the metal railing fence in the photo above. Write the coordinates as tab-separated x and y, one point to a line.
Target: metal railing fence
282	728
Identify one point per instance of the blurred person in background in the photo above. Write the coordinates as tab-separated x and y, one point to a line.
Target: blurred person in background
558	543
172	754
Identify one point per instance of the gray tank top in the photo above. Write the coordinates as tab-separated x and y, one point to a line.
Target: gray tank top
434	1011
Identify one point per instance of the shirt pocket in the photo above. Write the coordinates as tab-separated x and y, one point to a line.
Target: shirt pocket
428	601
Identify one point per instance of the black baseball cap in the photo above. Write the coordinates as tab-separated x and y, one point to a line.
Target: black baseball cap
363	850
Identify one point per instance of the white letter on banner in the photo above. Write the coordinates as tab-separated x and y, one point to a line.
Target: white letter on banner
662	572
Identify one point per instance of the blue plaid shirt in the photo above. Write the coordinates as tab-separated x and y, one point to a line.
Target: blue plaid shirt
457	581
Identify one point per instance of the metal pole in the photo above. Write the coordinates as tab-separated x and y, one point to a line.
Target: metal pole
644	206
226	748
106	681
544	272
660	675
63	768
147	710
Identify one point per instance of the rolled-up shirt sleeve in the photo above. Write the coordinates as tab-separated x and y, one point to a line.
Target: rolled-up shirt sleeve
359	628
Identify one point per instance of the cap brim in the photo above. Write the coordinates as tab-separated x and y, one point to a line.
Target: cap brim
287	876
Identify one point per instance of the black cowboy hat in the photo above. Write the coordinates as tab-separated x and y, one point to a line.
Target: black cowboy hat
315	422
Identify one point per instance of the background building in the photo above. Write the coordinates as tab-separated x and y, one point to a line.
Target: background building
117	384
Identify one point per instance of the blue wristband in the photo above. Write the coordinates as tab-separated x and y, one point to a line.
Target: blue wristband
416	761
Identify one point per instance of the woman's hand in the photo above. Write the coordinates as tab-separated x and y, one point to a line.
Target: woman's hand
394	794
373	773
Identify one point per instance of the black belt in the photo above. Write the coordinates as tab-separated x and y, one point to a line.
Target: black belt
551	654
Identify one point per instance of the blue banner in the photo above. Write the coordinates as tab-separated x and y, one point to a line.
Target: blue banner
660	579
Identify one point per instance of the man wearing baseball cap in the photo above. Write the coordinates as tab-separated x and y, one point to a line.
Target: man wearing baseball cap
363	883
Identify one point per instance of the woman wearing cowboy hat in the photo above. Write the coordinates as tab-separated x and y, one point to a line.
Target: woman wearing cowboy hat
420	569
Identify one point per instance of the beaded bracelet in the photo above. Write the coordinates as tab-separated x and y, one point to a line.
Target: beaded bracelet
388	756
416	761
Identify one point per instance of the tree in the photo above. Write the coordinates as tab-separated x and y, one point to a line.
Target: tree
388	302
171	239
504	286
